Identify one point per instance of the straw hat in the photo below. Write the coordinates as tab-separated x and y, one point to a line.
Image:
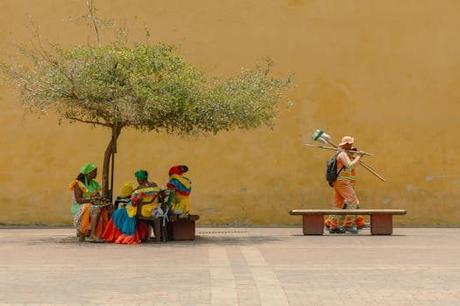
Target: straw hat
346	139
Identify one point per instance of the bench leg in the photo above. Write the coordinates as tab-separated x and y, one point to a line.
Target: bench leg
313	224
157	229
183	229
381	224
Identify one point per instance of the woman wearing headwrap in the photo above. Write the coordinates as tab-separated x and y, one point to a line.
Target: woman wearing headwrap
181	188
125	196
88	218
147	192
123	228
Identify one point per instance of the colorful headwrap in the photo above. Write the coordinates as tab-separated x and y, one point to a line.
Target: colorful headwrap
87	168
179	183
126	190
179	170
141	175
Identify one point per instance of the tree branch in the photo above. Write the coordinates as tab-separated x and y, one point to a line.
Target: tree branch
92	16
89	121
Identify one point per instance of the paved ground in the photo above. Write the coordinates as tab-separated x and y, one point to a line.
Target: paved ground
237	266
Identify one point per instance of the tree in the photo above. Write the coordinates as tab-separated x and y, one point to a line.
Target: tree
149	87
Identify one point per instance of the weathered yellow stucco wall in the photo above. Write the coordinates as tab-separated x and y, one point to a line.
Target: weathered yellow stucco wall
386	72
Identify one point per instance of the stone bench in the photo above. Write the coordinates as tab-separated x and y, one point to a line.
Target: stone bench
381	219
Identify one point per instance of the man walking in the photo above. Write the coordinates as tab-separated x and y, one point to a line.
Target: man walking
344	192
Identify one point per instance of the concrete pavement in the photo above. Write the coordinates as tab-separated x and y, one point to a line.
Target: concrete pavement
233	266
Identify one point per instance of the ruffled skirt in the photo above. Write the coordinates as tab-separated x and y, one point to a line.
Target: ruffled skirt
124	229
82	215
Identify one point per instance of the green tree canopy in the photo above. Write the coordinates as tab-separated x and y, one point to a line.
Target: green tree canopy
148	87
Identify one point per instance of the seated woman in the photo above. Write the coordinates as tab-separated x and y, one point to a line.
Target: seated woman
123	228
125	196
147	192
180	187
88	218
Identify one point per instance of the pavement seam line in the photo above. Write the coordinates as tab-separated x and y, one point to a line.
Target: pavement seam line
223	285
270	290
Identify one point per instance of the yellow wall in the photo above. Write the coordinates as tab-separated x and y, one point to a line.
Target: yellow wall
386	72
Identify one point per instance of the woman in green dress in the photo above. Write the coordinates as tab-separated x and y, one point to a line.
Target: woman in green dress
88	217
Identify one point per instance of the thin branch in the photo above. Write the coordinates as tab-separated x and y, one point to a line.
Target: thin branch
89	121
45	55
92	16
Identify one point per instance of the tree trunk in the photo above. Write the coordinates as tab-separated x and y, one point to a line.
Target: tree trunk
108	156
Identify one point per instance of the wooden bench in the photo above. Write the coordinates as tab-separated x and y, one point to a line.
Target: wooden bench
177	229
182	228
381	219
161	234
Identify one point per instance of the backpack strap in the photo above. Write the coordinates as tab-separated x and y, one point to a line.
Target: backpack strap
336	162
340	170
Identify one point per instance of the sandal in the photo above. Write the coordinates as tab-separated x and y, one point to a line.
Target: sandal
95	240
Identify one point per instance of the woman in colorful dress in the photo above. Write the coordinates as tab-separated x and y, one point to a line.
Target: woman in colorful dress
88	218
181	188
123	228
148	193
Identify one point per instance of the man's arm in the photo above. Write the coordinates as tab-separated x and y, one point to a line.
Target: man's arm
345	160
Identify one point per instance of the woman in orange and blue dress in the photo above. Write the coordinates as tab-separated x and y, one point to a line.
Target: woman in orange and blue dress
124	228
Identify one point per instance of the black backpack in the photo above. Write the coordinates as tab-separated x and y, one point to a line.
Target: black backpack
331	170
